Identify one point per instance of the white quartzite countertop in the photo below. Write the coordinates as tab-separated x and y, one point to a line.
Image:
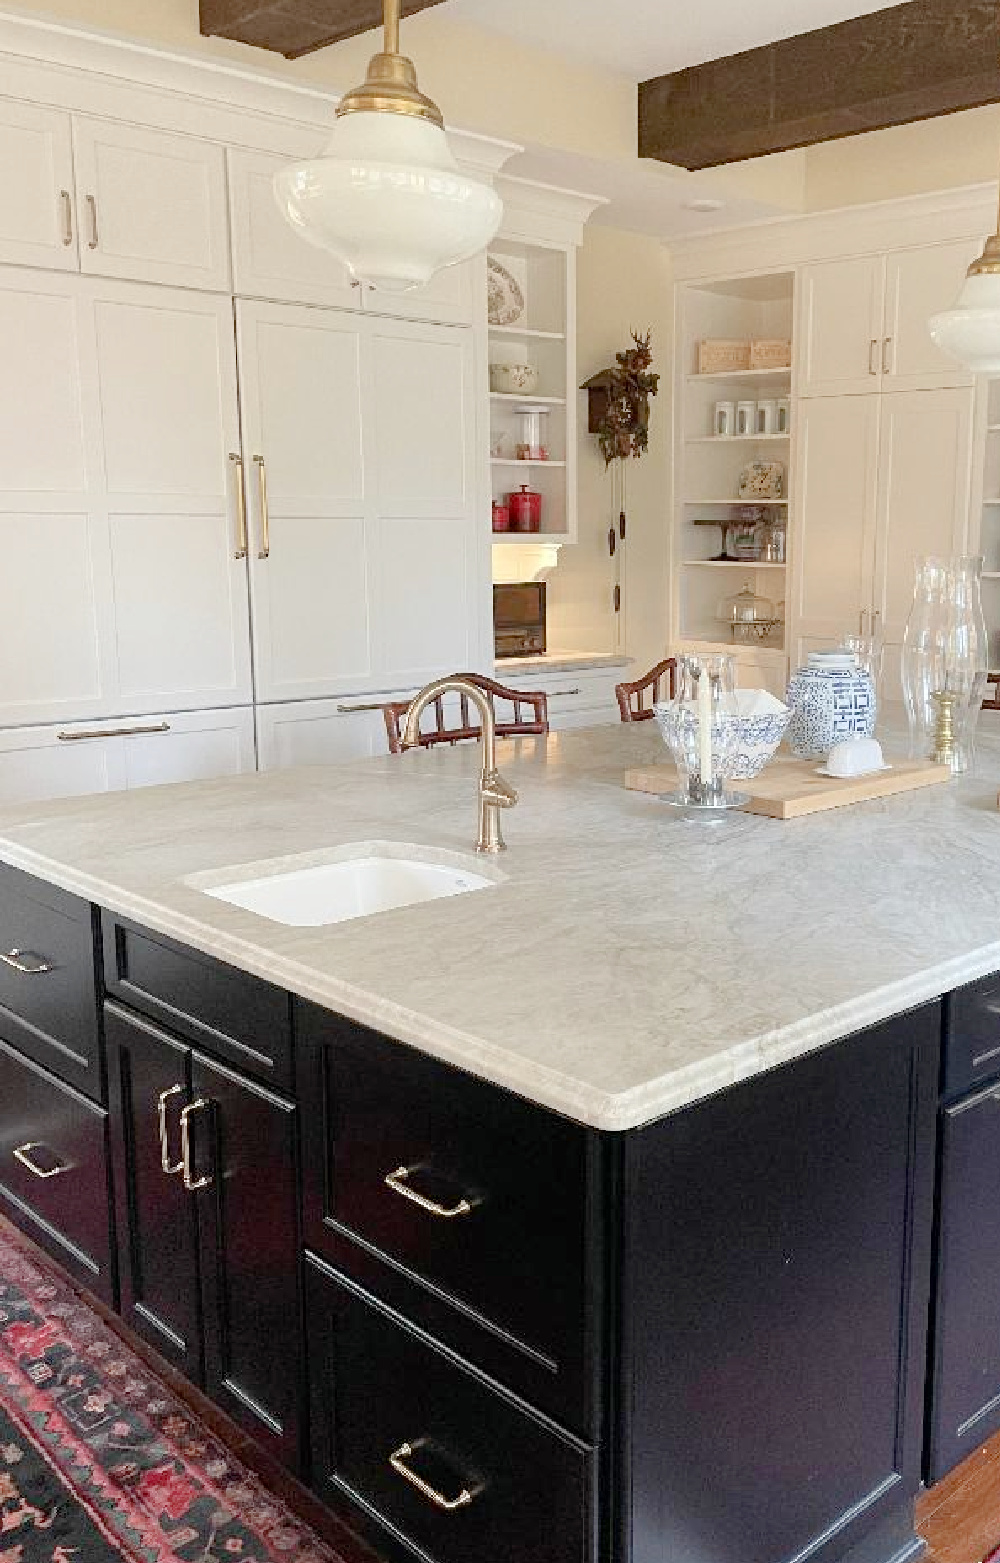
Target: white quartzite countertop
629	964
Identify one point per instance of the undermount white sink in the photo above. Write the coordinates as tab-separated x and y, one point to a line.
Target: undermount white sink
352	887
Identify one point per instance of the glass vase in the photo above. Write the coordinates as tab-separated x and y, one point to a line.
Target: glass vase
700	727
945	653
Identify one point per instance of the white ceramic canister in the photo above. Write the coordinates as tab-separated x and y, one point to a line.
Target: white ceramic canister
746	417
725	419
831	699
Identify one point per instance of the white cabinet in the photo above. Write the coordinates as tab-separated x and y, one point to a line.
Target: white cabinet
882	479
271	261
580	697
151	205
121	590
323	732
36	178
367	564
37	763
863	323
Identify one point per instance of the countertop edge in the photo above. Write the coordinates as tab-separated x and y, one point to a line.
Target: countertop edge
548	1088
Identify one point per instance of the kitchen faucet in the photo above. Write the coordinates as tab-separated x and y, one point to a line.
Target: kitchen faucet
494	793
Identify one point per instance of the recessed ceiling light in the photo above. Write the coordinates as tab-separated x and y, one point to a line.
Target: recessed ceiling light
703	203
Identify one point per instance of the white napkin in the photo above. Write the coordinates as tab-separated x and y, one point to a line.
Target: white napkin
757	702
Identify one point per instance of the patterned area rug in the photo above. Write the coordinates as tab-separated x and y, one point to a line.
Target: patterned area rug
99	1461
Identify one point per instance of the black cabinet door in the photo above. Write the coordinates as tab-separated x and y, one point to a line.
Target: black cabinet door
965	1384
157	1231
244	1146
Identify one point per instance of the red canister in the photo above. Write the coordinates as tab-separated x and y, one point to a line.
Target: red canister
525	510
501	516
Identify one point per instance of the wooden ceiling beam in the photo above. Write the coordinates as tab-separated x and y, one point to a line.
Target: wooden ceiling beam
910	62
294	27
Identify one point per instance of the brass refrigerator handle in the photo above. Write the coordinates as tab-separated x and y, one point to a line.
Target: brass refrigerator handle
873	356
887	355
398	1182
94	239
22	1154
169	1167
265	519
66	202
26	962
191	1183
241	507
397	1460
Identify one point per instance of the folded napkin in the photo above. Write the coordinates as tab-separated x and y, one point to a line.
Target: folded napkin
758	702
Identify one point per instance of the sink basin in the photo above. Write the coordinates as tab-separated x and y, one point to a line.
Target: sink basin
351	887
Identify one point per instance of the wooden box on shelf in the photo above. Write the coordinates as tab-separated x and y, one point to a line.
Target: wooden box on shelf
719	355
770	353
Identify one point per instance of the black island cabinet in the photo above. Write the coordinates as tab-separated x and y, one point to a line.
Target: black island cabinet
739	1334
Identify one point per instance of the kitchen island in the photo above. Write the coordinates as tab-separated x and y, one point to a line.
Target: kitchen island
615	1257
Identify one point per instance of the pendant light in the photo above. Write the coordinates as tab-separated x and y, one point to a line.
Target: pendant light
386	196
970	330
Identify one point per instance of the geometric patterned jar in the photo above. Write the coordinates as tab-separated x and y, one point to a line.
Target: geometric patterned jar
831	698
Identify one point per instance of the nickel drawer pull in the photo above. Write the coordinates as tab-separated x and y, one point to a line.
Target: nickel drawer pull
66	201
555	693
27	962
398	1181
397	1460
191	1183
94	239
349	710
169	1167
22	1154
113	732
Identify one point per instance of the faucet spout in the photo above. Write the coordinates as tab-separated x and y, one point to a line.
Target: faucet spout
495	793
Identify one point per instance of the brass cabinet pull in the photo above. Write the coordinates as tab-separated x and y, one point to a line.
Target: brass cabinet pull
398	1460
873	356
265	519
887	355
113	732
241	507
66	202
398	1181
94	239
191	1183
26	962
22	1154
169	1167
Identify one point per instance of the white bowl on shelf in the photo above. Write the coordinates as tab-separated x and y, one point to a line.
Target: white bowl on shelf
513	379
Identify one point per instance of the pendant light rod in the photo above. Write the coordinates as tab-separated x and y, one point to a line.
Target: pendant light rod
390	26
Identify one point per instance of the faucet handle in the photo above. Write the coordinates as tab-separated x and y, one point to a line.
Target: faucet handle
494	789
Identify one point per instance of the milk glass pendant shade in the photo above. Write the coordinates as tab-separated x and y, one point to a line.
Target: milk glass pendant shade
970	330
387	196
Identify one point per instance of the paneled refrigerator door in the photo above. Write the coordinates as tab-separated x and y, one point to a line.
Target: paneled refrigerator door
301	395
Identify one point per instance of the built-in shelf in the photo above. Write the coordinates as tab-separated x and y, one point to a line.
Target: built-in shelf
743	374
731	564
758	501
528	539
527	331
991	501
527	399
735	439
515	461
991	575
993	428
713	643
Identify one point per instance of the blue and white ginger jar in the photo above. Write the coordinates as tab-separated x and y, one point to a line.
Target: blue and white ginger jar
832	698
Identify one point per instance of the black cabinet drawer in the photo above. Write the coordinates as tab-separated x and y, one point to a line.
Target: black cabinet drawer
54	1170
443	1193
47	978
429	1449
971	1035
240	1018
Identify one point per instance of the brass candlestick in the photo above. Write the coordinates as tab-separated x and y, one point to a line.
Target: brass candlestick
944	730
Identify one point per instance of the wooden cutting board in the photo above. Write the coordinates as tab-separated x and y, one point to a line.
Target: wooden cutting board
788	789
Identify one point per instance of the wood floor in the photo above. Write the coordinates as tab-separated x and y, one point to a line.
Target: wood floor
960	1518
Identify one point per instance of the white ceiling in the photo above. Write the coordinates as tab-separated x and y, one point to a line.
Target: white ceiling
642	38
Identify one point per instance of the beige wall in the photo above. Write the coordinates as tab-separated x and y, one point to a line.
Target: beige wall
623	282
481	80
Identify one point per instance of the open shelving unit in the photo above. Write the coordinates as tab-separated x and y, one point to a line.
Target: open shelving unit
709	464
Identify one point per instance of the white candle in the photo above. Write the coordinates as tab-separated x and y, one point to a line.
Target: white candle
705	727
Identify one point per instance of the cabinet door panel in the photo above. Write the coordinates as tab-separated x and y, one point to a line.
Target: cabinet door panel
36	176
246	1144
836	488
157	1231
270	260
965	1388
918	284
199	744
36	765
302	397
322	732
448	299
925	445
841	326
152	205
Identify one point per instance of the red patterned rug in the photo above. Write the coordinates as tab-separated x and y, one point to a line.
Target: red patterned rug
99	1461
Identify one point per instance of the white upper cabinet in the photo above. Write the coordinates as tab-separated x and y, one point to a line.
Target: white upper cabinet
270	260
840	329
36	177
151	206
448	299
919	283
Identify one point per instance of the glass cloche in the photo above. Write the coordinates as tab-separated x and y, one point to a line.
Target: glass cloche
750	617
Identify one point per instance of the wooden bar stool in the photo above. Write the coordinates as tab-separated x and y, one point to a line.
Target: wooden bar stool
630	701
529	715
992	701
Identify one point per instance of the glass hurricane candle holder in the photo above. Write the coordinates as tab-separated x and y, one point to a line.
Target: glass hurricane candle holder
945	653
700	728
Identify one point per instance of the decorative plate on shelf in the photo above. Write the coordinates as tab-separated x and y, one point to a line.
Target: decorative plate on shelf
762	480
504	299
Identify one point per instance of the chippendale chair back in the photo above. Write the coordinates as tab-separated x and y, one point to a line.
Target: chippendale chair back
660	683
521	713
